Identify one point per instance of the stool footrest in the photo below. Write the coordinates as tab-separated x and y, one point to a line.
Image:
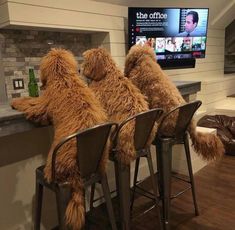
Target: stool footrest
181	192
144	212
102	197
180	178
145	193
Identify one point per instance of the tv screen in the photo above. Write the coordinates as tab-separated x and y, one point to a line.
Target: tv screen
174	33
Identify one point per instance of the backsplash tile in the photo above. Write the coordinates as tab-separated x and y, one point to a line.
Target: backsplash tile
22	49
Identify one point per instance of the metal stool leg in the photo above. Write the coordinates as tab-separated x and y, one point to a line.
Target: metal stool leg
123	176
38	206
154	183
63	195
164	157
116	177
151	171
158	173
92	196
108	201
189	163
137	163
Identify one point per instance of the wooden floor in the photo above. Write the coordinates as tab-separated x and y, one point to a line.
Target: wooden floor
215	185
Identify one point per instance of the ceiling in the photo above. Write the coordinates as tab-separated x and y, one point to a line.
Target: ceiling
222	12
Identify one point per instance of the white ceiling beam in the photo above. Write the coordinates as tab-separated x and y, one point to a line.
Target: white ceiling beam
226	15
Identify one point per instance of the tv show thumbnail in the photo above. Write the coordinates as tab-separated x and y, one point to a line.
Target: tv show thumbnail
199	43
140	40
160	45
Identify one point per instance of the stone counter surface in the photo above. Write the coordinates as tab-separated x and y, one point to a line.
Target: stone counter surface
188	87
13	121
7	113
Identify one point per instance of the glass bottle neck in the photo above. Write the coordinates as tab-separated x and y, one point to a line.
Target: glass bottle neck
31	75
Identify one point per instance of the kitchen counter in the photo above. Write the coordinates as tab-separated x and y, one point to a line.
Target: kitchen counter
13	121
188	87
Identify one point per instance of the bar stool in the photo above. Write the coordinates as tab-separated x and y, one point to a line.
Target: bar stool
144	123
90	147
164	143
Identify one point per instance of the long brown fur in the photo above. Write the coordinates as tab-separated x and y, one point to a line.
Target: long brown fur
143	70
71	106
117	94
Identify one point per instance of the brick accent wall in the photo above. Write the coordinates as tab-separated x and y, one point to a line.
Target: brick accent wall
22	49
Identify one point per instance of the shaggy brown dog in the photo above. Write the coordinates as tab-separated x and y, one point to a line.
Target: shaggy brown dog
143	70
117	94
71	106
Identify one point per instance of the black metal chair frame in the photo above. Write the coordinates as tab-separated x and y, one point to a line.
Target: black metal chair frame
144	123
164	144
89	173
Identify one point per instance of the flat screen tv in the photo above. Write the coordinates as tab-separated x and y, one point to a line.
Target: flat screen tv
177	35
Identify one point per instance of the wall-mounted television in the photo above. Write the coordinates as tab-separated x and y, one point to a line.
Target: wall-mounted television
177	35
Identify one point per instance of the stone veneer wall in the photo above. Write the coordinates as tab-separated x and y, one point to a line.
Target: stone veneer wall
22	49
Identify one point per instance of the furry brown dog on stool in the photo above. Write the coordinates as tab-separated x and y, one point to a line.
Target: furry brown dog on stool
71	106
143	70
117	94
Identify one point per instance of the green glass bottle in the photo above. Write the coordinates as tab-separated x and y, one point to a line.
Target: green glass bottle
32	86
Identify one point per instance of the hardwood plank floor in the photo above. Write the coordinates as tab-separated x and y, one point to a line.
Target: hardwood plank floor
215	186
